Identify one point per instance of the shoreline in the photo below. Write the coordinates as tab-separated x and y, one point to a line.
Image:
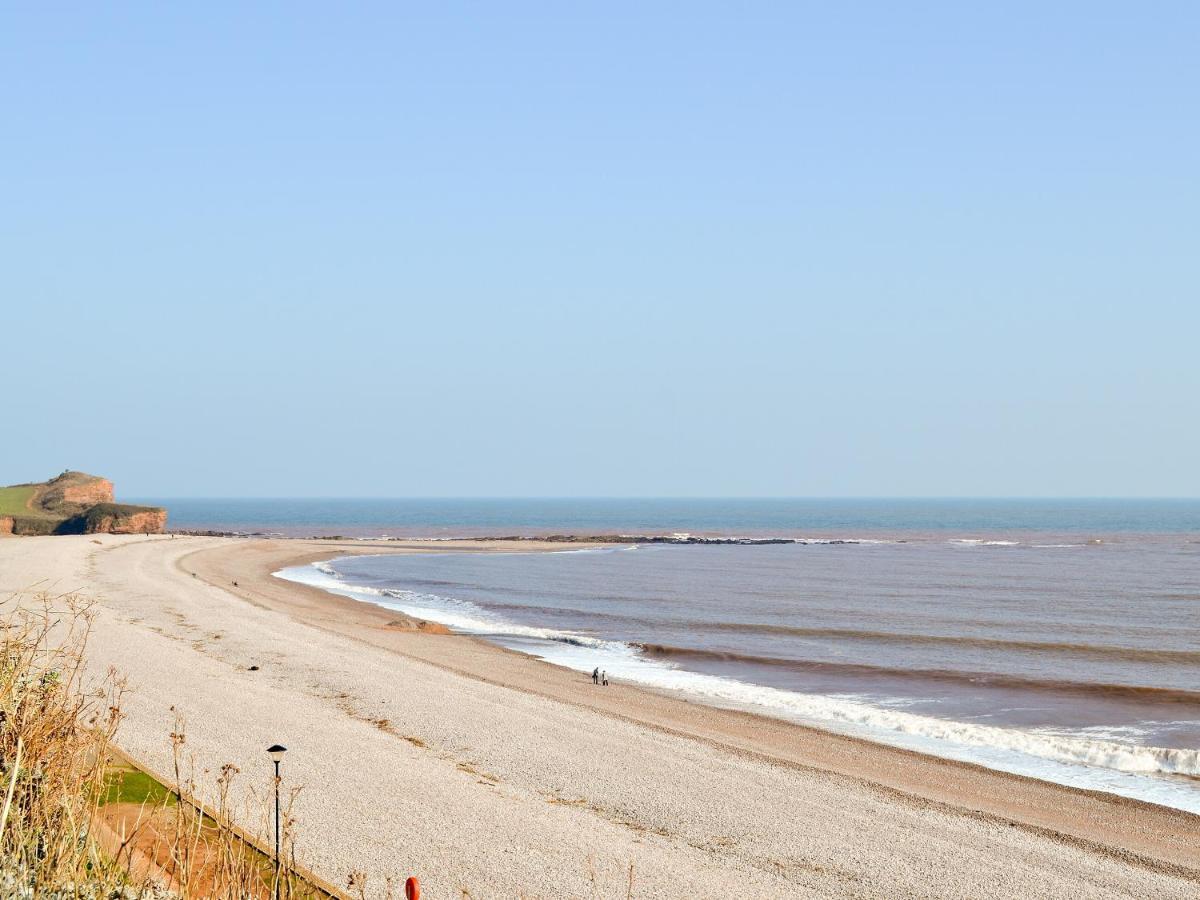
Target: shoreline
1076	815
485	770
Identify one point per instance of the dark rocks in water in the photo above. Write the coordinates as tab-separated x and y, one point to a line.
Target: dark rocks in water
187	532
682	539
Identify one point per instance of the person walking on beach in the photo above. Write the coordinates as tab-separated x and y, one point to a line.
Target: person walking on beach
596	675
604	678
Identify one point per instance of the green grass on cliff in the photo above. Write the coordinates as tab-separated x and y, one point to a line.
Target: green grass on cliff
14	501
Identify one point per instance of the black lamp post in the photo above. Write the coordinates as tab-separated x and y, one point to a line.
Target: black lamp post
276	751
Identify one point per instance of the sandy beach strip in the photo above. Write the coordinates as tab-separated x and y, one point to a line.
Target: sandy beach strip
485	770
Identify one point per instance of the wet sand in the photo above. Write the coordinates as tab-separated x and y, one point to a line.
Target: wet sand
479	768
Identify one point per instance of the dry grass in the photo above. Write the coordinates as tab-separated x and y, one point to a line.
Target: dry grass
60	833
53	742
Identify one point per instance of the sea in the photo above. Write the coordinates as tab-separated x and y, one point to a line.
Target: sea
1058	639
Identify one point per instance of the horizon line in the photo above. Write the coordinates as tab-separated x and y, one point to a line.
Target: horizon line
685	497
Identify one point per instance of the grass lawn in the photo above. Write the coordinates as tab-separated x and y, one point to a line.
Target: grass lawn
128	785
14	500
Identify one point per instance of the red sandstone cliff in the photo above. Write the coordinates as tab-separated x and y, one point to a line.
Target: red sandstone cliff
125	520
86	493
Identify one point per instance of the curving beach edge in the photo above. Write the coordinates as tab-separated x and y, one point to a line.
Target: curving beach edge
487	770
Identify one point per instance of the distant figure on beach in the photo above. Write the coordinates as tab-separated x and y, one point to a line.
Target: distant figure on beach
604	678
596	675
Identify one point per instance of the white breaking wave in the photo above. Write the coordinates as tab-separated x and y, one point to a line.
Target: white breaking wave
613	548
461	615
975	542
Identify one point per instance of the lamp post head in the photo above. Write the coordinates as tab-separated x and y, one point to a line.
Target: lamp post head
276	751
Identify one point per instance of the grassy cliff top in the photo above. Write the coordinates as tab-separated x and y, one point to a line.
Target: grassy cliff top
68	494
15	500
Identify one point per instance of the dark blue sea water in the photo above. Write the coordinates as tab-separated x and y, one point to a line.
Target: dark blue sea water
740	517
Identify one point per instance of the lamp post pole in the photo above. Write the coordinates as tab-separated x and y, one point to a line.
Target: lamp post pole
276	752
277	822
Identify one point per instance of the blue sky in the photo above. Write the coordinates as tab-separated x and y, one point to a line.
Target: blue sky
602	249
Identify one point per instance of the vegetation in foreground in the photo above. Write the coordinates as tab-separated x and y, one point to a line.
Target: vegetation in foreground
76	819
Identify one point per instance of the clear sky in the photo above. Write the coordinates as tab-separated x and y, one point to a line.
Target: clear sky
602	249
